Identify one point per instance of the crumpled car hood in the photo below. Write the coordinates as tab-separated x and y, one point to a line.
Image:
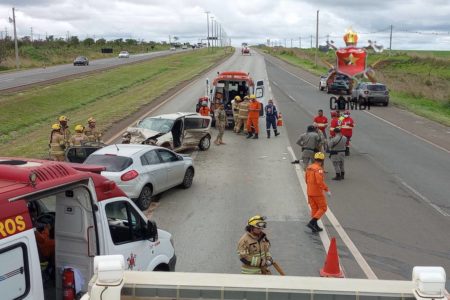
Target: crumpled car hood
139	135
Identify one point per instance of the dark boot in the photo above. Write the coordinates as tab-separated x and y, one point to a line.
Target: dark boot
249	135
338	177
319	229
276	132
311	225
342	175
256	136
268	134
347	151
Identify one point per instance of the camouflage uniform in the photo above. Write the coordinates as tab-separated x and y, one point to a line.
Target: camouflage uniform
309	142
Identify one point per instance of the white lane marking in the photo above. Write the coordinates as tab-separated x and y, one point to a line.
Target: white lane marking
380	118
424	199
409	132
290	97
275	83
337	226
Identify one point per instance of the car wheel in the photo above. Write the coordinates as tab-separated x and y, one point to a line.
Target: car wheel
205	143
386	103
145	198
188	178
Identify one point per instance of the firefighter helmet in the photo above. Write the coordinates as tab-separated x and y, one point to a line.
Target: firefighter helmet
79	128
257	221
252	96
63	119
92	120
319	156
237	98
56	126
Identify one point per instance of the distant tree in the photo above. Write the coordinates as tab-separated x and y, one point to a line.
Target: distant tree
118	41
175	38
50	38
101	41
88	42
3	50
131	42
74	40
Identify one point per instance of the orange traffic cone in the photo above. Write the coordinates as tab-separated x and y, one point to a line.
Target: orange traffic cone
280	120
331	267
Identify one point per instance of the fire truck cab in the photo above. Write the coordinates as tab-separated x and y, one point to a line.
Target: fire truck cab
227	85
56	217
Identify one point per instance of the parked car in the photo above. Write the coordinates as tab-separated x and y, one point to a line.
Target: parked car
143	171
124	54
177	131
184	47
336	84
172	49
81	61
323	82
367	92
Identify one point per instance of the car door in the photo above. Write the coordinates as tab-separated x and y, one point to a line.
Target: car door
355	91
155	171
124	233
174	166
195	128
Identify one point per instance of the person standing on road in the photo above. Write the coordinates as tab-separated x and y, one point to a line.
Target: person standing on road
347	125
337	146
57	143
253	117
79	137
242	116
65	131
235	109
334	123
309	142
221	121
341	101
204	109
315	186
91	132
271	118
321	122
322	140
254	248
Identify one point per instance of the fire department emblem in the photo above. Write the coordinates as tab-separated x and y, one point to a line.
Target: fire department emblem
351	61
131	261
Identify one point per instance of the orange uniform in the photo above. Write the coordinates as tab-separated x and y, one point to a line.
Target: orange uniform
45	244
204	111
253	115
315	186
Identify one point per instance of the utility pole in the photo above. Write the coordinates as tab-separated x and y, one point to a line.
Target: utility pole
390	42
317	39
170	40
6	33
207	26
31	33
212	32
291	43
311	42
16	47
285	43
300	42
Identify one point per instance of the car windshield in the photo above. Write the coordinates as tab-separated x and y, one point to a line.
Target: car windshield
80	58
123	52
112	163
376	87
156	124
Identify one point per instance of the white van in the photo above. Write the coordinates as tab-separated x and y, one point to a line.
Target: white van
56	217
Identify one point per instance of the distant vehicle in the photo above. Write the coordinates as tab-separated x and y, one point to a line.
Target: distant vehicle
177	131
143	171
172	49
338	83
184	47
367	92
323	82
81	61
245	50
124	54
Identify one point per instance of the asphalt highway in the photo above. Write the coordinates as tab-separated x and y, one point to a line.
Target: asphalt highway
33	76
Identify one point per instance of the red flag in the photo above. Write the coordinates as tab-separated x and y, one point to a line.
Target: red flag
351	61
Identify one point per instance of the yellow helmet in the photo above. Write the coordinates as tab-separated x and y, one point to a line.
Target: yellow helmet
79	128
91	120
63	119
257	221
56	126
252	96
319	155
237	98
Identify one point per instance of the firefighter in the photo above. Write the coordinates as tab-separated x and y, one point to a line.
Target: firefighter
309	142
321	122
79	137
315	186
271	118
65	128
204	109
253	118
57	143
337	146
254	248
235	109
91	132
347	125
243	115
334	123
221	121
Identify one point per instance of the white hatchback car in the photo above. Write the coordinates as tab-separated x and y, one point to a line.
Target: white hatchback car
124	54
143	171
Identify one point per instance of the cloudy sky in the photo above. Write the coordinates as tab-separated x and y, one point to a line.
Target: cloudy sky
417	24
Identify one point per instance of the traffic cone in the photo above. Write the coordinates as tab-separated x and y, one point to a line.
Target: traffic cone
280	120
331	267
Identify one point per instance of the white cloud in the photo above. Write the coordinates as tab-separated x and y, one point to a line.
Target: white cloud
252	21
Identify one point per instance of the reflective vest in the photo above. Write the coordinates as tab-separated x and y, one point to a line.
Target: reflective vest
57	144
204	111
93	134
347	127
78	138
253	249
315	184
243	109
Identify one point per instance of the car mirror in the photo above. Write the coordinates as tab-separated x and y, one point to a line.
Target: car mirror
151	232
180	157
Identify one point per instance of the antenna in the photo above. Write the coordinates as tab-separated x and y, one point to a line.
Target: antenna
116	147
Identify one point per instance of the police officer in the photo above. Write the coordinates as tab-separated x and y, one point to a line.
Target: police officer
57	143
309	142
79	137
271	118
254	247
337	153
91	131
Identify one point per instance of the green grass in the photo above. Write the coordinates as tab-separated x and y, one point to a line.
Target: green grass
109	96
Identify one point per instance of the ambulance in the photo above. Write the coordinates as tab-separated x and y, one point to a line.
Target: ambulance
56	217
